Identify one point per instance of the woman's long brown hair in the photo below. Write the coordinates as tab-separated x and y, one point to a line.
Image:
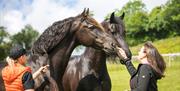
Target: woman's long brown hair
155	59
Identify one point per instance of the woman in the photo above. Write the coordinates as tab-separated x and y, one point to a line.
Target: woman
16	76
150	69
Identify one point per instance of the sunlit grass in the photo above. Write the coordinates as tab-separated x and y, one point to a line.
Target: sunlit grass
170	45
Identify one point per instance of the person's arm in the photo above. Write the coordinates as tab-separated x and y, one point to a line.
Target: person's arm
39	71
36	74
143	79
130	67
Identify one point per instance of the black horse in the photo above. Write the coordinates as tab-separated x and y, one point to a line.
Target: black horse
88	72
57	42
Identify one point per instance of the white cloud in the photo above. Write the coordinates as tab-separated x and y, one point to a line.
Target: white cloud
45	12
42	13
101	7
150	4
12	20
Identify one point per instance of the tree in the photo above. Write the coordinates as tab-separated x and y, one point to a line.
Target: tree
164	21
136	19
26	37
171	15
157	26
133	6
3	34
4	45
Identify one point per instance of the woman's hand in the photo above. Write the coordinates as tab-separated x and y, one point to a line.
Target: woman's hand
122	53
43	69
40	70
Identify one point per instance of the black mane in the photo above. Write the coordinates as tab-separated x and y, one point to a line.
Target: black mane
52	36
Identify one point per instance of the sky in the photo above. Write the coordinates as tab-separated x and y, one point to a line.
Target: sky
15	14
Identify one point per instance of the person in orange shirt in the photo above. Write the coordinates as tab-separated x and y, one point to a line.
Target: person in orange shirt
16	76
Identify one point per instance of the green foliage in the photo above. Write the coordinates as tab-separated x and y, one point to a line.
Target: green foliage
171	14
3	34
169	45
26	37
4	50
162	22
136	19
135	27
156	27
133	6
4	46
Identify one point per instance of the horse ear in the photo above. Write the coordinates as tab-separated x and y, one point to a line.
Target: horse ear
122	16
84	12
112	18
87	11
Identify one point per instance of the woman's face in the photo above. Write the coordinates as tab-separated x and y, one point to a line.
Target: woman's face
141	53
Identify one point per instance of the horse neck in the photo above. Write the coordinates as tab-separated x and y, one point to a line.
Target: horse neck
60	55
97	58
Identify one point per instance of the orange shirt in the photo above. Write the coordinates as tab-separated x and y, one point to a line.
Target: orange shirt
12	77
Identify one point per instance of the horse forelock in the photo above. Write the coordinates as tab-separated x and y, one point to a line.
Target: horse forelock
119	28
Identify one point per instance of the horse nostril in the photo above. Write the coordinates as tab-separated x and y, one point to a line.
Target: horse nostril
105	48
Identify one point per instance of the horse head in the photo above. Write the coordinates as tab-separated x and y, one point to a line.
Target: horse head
115	26
91	33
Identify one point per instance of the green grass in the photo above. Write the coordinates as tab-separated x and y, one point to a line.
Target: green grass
170	45
120	77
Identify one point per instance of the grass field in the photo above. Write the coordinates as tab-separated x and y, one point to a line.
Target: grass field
120	77
169	45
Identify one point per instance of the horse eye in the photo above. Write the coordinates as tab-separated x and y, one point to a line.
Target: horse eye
91	26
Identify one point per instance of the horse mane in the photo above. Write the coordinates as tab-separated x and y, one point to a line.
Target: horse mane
52	36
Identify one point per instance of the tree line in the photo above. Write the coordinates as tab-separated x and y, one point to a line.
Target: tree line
25	37
161	22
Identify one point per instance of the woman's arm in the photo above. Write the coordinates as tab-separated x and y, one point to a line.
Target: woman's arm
144	77
38	72
130	67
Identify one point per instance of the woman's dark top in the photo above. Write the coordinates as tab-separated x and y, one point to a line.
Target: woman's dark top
144	78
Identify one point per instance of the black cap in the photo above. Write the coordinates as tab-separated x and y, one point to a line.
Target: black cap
17	51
